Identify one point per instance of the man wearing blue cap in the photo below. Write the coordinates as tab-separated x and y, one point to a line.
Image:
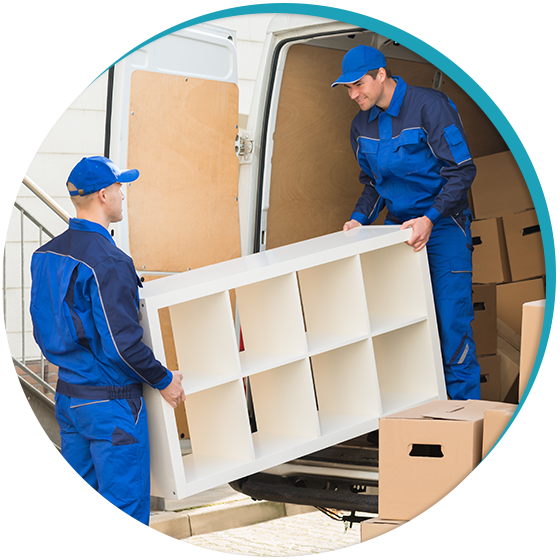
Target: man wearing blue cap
415	160
84	307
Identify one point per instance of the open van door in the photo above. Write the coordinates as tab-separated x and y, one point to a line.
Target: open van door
175	115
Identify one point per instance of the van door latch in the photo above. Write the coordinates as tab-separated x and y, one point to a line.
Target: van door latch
243	147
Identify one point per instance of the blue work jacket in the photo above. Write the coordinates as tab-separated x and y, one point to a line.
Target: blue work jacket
84	307
414	157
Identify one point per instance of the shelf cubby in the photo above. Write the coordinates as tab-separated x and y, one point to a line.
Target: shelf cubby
219	432
405	282
405	375
199	327
271	322
337	331
333	317
346	383
284	404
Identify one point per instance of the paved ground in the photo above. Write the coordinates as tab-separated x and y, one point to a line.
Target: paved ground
297	535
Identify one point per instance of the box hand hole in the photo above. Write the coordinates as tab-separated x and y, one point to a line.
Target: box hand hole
531	229
425	450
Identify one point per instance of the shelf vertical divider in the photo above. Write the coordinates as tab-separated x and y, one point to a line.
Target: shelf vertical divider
167	473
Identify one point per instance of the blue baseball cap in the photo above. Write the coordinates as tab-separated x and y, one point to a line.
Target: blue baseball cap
357	62
91	174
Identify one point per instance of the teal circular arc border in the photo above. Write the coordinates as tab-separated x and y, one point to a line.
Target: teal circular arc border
546	206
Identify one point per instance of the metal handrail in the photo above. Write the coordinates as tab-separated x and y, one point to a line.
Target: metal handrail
41	194
34	220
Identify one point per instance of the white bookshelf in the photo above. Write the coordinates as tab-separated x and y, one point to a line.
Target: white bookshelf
338	331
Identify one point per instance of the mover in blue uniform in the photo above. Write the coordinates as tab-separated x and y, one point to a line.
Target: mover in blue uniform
84	307
415	160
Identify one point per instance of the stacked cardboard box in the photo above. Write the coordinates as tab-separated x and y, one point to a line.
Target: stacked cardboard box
531	329
429	486
486	339
512	499
508	270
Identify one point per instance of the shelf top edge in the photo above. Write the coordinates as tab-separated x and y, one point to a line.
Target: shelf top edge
287	259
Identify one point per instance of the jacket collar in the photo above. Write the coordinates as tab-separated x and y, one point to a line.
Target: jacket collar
86	225
396	101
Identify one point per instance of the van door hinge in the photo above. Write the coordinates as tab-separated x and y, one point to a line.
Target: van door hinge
244	147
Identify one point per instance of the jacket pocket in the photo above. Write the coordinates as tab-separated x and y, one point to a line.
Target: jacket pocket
460	265
457	145
120	437
408	153
368	145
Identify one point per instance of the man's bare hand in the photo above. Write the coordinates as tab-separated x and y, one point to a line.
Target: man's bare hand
421	231
350	225
174	393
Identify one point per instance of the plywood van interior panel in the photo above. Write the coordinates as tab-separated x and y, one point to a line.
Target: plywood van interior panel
182	139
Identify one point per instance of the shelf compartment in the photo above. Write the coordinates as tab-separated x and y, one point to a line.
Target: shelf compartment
405	361
279	448
208	471
351	425
271	323
321	343
345	380
395	270
219	424
396	402
381	325
205	342
255	362
284	402
334	304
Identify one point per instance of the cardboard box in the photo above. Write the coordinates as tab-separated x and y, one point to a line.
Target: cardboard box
510	299
426	451
3	424
524	245
532	317
484	325
513	475
508	538
382	538
499	187
509	364
490	256
490	377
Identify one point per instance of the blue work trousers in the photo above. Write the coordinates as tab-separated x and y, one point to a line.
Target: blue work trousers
107	444
450	259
